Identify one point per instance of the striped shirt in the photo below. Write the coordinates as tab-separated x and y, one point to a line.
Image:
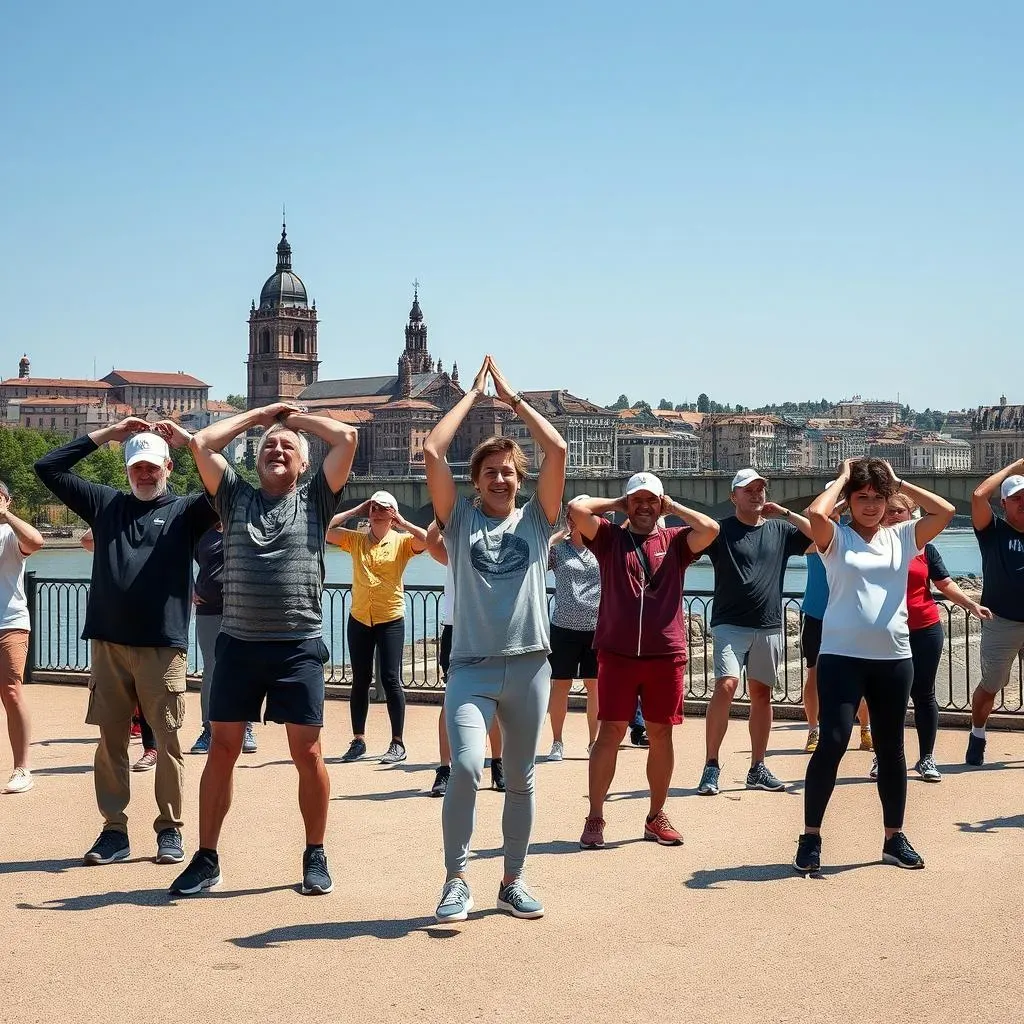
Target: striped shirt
274	558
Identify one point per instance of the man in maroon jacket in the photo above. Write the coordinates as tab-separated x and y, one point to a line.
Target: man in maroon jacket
640	637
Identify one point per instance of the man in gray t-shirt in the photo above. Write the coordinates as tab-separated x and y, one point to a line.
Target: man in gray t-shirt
270	647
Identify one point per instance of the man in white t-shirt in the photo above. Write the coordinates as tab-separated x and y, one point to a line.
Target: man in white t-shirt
18	540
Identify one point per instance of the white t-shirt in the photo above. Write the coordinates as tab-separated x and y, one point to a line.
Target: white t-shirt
13	606
866	615
448	601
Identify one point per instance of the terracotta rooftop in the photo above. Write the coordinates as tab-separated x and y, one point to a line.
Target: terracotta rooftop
54	383
411	403
214	405
560	403
352	416
156	379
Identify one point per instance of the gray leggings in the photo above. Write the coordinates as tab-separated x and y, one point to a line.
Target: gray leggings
207	628
517	690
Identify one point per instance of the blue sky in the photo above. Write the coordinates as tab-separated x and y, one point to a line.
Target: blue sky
756	201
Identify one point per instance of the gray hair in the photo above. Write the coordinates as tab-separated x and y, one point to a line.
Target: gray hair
276	428
5	490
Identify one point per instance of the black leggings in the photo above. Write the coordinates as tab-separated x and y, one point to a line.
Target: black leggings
362	642
926	650
842	682
148	739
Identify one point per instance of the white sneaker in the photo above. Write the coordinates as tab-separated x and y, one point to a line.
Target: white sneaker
20	781
557	751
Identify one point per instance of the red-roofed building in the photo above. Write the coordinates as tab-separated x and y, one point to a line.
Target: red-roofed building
74	416
146	390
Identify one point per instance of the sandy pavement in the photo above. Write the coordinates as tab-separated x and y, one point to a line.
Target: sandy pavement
719	930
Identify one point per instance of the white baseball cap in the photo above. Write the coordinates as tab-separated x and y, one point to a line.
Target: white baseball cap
146	447
1011	485
384	498
644	482
744	477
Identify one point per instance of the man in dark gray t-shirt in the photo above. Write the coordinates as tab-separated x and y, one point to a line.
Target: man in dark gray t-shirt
270	647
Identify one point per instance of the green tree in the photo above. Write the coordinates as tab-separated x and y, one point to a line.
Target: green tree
238	401
703	403
622	402
664	405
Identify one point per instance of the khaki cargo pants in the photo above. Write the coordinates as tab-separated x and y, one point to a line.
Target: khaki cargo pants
153	678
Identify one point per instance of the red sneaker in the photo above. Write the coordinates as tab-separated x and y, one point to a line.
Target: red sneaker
660	830
136	730
593	834
146	763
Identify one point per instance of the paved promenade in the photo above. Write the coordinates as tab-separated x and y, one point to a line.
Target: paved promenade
719	930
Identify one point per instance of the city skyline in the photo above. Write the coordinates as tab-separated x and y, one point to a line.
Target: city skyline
773	202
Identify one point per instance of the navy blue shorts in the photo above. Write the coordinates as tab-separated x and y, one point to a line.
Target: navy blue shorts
287	674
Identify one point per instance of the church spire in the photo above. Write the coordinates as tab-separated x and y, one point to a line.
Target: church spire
284	250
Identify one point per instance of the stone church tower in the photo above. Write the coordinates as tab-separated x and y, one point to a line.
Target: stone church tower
282	336
416	338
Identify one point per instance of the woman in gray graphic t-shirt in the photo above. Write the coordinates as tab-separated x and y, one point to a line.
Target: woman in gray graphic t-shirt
498	554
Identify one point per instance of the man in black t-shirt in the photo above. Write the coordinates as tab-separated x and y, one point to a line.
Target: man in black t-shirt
1002	568
749	556
136	621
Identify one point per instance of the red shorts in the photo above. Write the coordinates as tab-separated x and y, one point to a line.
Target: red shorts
658	682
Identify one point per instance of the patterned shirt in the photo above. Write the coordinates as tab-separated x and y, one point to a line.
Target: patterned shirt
577	586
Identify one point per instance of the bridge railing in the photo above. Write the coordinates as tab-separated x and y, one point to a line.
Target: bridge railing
58	605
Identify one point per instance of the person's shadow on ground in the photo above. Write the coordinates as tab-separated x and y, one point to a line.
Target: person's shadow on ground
142	898
715	878
989	825
339	930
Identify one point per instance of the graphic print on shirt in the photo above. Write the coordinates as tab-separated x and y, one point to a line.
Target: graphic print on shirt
509	558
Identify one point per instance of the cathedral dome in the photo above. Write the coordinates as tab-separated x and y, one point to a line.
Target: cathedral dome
283	287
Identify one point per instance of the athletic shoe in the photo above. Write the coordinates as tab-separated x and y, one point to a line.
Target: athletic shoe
557	752
517	900
110	846
456	901
928	770
356	751
135	733
19	782
898	851
865	739
248	740
168	847
812	741
808	854
497	774
975	751
709	780
147	762
203	872
660	830
394	754
873	773
593	834
441	777
759	777
316	879
638	737
202	744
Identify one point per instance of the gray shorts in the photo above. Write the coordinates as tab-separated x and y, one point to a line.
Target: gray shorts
1002	645
759	649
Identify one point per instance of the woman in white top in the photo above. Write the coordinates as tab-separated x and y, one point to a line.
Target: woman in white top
865	642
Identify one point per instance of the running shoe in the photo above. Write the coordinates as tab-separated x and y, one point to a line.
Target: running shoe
19	782
518	901
202	743
203	872
110	846
147	762
356	751
812	741
249	740
316	879
557	752
659	830
395	753
709	780
975	755
760	777
808	854
638	737
865	739
593	834
898	851
456	901
135	733
441	777
873	773
497	774
169	849
928	770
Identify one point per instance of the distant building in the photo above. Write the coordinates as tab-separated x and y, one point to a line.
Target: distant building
589	431
997	435
163	393
896	453
73	416
657	451
941	454
733	441
827	447
883	412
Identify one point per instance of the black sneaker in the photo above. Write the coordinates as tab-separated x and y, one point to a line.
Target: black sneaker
898	851
497	775
203	872
441	777
356	751
975	751
169	849
760	777
110	846
808	854
395	753
316	879
638	736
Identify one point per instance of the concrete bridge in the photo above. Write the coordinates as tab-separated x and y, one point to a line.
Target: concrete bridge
707	492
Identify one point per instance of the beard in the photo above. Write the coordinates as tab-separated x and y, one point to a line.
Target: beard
150	492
